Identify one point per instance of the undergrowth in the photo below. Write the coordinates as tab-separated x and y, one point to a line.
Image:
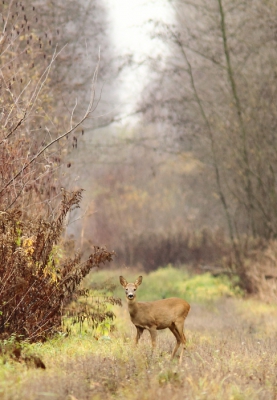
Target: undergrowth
237	361
231	350
36	283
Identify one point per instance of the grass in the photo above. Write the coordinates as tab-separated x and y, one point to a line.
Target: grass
231	354
172	282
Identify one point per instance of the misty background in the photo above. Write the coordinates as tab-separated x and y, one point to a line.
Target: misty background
183	139
178	159
187	138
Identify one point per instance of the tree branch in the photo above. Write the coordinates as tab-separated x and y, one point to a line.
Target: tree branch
89	110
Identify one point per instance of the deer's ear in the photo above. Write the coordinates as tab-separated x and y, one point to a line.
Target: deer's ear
123	281
138	281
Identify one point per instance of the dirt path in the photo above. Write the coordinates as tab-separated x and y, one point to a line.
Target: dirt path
234	315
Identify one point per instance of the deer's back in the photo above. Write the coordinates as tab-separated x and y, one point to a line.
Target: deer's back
161	313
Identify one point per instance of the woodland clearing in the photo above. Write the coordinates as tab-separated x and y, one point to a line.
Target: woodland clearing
231	354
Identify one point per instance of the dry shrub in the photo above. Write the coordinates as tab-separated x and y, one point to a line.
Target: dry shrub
35	281
261	272
154	250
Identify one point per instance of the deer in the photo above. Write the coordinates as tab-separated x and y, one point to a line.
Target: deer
155	315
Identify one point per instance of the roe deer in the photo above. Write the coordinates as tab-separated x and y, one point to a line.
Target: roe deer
154	315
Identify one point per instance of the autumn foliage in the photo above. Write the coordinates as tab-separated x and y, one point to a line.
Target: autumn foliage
37	280
35	283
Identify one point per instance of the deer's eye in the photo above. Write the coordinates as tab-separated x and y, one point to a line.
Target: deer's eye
135	290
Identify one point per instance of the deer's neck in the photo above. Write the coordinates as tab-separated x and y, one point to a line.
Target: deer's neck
132	307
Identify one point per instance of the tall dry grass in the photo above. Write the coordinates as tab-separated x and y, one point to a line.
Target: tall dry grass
231	354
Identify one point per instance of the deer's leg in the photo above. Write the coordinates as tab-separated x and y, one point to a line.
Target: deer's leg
180	327
177	335
139	333
153	334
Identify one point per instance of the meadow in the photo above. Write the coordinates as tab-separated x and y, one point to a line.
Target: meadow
231	349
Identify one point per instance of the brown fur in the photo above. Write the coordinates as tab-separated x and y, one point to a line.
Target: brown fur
155	315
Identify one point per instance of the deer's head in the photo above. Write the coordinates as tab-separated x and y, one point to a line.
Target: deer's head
130	288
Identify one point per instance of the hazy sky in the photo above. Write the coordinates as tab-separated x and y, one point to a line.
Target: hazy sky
129	22
131	34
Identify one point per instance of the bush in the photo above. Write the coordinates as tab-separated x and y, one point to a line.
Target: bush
172	282
207	287
259	268
35	281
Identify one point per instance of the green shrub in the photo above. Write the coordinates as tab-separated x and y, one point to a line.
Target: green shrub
207	287
173	282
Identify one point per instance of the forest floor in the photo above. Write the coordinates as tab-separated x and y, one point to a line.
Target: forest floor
231	354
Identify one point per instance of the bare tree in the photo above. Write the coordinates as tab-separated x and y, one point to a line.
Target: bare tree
216	96
34	129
